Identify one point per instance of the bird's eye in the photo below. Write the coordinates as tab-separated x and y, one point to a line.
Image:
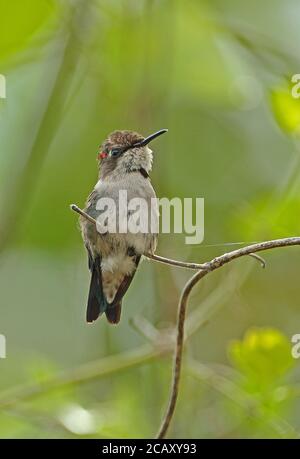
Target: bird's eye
114	152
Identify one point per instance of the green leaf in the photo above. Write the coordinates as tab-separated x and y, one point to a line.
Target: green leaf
263	356
286	109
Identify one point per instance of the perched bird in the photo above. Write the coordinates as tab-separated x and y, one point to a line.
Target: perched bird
125	161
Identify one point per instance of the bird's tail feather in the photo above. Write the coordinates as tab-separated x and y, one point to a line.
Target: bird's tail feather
113	313
97	302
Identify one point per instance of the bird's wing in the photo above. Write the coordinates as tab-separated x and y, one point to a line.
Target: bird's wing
97	303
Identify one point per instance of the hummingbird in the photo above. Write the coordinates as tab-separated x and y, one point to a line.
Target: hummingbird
125	161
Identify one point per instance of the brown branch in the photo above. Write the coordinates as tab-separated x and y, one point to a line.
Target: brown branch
169	261
210	266
203	270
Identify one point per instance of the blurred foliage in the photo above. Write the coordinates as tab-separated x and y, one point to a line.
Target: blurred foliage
20	22
264	359
217	74
286	109
263	356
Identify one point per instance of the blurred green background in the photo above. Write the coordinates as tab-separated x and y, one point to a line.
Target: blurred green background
217	75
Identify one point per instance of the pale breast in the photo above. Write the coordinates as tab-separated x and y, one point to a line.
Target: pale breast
140	221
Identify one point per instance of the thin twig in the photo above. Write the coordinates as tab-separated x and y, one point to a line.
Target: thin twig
259	258
212	265
83	214
169	261
178	352
203	269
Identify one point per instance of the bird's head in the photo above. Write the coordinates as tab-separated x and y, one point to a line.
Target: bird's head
126	151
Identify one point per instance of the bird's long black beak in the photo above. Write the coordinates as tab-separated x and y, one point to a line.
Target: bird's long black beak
149	139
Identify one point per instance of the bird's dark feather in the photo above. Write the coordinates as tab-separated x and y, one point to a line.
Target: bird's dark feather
144	172
97	303
113	313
